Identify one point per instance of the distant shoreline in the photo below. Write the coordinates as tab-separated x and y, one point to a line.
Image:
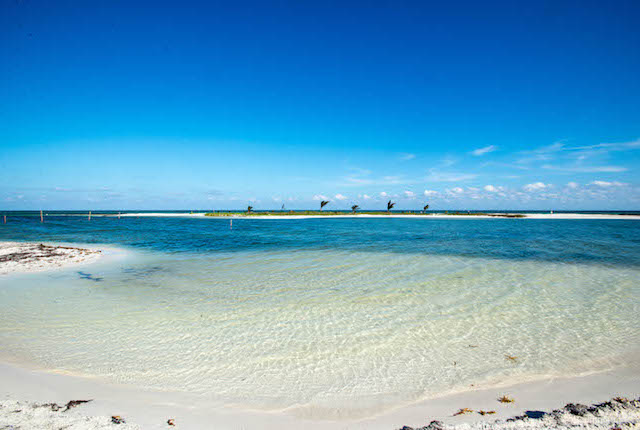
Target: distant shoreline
431	216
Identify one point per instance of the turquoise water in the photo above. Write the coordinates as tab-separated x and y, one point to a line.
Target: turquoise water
328	317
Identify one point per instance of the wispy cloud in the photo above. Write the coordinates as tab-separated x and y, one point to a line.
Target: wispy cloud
340	197
405	156
436	175
585	169
607	184
363	177
481	151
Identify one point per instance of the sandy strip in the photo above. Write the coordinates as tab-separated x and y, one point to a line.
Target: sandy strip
152	409
18	257
496	215
24	415
617	413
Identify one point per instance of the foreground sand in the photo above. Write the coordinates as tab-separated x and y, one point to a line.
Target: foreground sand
152	409
617	413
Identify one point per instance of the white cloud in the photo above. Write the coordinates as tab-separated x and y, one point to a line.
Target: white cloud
340	197
320	197
383	194
366	196
409	194
572	185
536	186
607	184
485	150
490	188
457	190
429	193
355	180
586	169
405	156
435	176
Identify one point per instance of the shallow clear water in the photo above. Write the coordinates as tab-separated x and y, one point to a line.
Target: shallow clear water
329	317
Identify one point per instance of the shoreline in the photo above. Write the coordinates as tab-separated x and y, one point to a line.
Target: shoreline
151	409
496	215
148	409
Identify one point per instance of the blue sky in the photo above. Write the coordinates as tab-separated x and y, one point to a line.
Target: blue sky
462	105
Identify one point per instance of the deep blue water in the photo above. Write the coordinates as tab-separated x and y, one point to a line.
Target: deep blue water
609	242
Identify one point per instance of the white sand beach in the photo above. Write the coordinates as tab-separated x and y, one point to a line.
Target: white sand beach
24	391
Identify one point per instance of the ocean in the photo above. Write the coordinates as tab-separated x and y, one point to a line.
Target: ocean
326	317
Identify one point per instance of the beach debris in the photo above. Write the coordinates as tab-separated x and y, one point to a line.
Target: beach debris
512	358
486	412
463	411
577	409
610	415
53	406
433	425
472	346
117	419
505	399
621	399
73	403
171	422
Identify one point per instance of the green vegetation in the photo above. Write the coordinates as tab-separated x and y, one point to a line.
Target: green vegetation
498	215
354	209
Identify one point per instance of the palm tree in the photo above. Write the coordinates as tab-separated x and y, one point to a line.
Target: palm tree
354	208
249	209
390	206
323	203
424	209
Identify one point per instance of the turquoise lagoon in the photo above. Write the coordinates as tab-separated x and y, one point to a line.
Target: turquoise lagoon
327	317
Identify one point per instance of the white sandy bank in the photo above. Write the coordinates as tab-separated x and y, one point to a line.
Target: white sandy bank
18	257
426	217
152	409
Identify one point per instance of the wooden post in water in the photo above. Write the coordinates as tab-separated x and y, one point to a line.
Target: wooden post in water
5	219
41	216
231	224
118	215
89	215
